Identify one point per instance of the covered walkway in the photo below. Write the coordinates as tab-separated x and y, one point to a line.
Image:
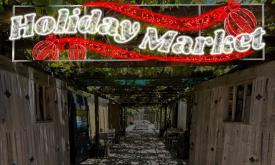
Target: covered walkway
140	146
115	103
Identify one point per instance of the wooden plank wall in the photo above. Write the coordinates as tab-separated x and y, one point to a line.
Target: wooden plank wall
217	142
24	141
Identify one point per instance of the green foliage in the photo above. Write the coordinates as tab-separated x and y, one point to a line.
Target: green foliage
271	26
216	70
41	2
1	6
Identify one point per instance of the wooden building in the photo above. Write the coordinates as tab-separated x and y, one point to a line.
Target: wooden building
233	119
43	122
33	117
107	113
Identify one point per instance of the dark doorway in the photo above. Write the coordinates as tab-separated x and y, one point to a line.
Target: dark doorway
79	131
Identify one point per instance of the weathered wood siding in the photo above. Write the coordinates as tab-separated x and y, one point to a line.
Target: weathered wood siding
23	140
215	141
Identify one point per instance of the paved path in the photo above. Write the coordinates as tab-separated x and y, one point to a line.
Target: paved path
137	148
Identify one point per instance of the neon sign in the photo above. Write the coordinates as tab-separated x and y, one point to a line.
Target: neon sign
239	38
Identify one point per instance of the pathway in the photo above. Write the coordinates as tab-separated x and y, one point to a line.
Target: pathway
139	147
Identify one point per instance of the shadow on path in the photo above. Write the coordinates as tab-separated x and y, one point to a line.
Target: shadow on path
138	148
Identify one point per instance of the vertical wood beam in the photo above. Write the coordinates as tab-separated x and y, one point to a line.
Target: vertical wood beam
165	118
160	118
96	121
176	115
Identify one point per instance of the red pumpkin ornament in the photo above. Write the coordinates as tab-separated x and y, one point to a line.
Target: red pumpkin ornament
239	20
77	52
45	50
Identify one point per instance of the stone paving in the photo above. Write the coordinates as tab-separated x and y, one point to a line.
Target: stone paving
138	148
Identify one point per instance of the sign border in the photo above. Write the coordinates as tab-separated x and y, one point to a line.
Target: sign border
142	5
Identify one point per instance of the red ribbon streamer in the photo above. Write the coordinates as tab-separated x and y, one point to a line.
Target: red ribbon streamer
117	52
181	24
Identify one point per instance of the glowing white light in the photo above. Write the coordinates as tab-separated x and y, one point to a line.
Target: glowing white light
242	42
186	45
128	31
200	44
218	42
257	40
45	25
17	26
162	44
183	45
63	15
72	21
109	26
228	42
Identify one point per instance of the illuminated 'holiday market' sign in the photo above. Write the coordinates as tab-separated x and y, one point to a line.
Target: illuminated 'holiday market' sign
239	38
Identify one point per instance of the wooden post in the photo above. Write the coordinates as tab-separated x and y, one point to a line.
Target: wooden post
125	121
160	118
165	118
122	121
176	112
96	121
